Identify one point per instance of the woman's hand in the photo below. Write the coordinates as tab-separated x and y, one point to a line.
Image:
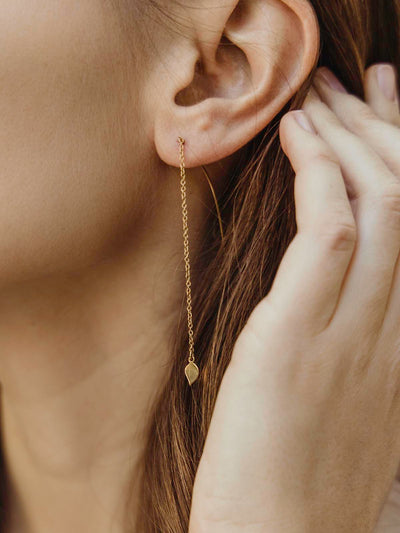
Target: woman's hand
305	434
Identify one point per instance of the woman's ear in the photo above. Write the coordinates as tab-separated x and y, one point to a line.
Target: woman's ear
223	84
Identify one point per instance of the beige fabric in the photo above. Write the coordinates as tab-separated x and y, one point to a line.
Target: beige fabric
389	521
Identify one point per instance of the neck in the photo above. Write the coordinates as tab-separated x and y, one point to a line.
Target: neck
82	358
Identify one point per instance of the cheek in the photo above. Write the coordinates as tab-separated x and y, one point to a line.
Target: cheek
66	189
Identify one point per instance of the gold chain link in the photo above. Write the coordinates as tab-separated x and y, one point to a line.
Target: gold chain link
186	249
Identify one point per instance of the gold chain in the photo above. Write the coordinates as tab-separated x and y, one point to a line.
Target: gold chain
186	249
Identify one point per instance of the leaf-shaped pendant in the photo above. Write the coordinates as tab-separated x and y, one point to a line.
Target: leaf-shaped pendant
192	372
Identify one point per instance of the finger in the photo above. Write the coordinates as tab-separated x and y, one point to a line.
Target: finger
375	196
391	323
359	118
308	281
381	94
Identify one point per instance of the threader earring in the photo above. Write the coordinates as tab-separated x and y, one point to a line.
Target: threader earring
191	370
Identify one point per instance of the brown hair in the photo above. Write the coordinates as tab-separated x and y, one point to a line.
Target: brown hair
232	276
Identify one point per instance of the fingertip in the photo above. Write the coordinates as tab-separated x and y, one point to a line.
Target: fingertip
298	119
293	126
387	81
304	121
326	79
381	90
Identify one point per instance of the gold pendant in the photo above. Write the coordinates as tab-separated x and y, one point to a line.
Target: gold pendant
192	372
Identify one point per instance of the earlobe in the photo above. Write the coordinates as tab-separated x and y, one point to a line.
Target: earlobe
250	63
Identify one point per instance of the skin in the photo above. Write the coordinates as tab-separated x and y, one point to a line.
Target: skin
305	431
91	280
92	274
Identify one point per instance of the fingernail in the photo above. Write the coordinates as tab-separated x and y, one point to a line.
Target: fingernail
331	80
387	81
303	121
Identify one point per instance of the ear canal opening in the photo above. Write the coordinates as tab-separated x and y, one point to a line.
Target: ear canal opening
197	91
227	77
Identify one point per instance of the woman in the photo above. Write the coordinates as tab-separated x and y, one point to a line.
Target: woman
293	423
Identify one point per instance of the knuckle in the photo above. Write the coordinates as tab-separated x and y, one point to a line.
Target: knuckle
390	205
364	118
326	156
338	235
324	160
